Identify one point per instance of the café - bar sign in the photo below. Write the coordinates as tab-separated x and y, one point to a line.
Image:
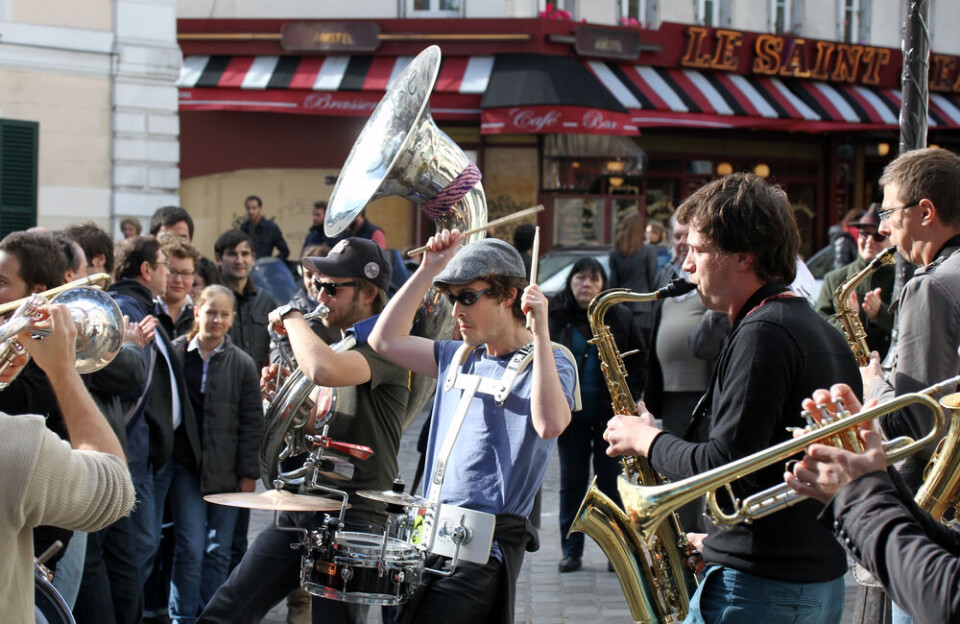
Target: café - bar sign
331	36
793	57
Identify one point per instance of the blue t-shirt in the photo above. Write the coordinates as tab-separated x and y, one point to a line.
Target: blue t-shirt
498	461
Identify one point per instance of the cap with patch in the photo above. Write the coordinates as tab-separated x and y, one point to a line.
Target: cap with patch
488	256
354	257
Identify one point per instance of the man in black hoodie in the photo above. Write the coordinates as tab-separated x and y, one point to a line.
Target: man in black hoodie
162	410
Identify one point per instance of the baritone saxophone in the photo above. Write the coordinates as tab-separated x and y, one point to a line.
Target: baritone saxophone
653	573
849	318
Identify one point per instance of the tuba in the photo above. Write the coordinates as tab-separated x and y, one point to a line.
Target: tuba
401	152
652	568
849	318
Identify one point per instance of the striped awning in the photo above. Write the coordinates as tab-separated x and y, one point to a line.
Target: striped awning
522	93
332	85
688	98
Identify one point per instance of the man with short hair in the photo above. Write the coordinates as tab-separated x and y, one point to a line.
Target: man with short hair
234	255
316	235
872	297
507	427
172	220
83	488
921	215
743	243
76	259
365	399
175	306
161	410
96	244
265	234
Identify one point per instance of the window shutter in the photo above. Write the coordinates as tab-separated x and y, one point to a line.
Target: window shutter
18	175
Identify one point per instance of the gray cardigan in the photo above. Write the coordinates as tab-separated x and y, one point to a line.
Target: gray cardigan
232	421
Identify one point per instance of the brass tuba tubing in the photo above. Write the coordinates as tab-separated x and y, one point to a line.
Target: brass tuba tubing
648	506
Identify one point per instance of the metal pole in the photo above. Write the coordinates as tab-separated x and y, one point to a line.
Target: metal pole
916	69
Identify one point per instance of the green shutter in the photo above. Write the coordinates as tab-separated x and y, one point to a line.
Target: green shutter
18	175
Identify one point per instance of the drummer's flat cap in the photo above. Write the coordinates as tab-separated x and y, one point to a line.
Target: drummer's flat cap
489	256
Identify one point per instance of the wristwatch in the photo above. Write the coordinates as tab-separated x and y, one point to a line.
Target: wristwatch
286	309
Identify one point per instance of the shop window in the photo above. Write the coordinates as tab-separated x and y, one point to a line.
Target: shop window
18	175
781	16
434	8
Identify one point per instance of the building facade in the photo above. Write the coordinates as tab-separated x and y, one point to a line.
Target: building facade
593	108
88	111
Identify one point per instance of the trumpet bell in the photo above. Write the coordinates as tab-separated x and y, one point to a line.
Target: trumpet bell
99	326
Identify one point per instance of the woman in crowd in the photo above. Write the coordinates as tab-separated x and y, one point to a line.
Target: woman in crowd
582	442
633	265
224	389
207	275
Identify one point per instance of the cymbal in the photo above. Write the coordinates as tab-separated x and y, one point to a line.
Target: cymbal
275	500
395	498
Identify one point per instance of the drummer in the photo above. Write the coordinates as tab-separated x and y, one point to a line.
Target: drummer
498	460
367	396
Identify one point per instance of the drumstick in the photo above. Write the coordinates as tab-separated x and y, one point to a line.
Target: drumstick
507	219
533	268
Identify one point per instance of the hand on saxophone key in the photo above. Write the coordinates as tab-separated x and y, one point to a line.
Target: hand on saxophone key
631	435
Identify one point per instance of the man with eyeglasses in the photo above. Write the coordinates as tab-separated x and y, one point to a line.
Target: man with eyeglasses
161	410
495	416
921	215
363	398
872	297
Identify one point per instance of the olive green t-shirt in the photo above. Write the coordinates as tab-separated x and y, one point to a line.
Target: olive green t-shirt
370	414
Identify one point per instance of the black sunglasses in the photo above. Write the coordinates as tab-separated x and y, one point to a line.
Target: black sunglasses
876	236
467	297
331	287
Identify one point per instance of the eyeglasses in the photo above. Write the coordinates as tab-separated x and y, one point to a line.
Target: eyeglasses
876	236
161	263
467	297
181	274
884	215
331	287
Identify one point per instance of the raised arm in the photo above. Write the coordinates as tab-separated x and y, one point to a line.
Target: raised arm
391	336
319	362
549	409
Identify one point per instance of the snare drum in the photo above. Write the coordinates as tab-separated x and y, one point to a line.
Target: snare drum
357	570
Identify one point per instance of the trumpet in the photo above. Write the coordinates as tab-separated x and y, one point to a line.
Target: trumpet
649	506
97	317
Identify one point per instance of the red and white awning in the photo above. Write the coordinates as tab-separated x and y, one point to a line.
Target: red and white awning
688	98
548	94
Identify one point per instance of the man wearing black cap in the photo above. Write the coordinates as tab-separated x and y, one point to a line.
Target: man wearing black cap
367	397
872	297
507	410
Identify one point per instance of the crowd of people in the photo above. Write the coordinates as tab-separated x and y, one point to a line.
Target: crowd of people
722	370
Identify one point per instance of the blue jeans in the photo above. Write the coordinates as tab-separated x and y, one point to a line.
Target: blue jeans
147	517
729	596
898	615
70	569
201	553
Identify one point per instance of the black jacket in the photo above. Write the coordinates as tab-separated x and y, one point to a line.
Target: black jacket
779	352
156	442
565	316
264	236
124	376
916	558
249	331
232	419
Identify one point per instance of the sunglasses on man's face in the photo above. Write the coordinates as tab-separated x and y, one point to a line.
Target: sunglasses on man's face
876	236
331	287
467	297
